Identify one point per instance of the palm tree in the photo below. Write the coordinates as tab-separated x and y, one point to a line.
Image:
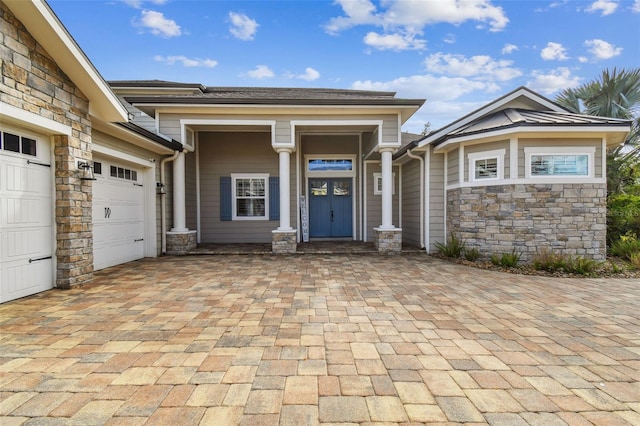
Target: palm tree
614	94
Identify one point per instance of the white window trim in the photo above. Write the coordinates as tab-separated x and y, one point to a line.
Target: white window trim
234	212
378	177
486	155
589	151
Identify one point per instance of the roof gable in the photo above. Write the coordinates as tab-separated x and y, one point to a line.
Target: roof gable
46	28
521	98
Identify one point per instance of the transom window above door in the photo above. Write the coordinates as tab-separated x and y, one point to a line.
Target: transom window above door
330	165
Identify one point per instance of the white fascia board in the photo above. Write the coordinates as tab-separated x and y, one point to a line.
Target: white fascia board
533	131
46	28
32	121
189	108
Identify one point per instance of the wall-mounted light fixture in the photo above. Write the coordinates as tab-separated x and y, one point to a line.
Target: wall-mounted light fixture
86	170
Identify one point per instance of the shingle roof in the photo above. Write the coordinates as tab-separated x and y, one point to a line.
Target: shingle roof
260	95
154	83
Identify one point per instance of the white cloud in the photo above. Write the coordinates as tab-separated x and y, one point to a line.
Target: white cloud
242	27
261	71
636	6
604	7
186	62
549	83
410	17
309	75
554	51
442	94
509	48
138	3
601	49
451	38
158	24
393	42
480	66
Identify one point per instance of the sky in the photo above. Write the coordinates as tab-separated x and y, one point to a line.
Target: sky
456	54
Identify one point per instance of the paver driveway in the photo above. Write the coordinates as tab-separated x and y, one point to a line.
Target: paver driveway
322	339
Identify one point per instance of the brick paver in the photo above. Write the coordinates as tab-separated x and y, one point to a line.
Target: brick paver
322	339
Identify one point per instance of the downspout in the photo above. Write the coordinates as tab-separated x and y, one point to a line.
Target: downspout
419	158
163	207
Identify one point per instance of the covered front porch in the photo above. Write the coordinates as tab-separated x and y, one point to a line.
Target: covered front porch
243	186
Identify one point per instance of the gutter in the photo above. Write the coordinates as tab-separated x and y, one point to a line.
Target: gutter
163	200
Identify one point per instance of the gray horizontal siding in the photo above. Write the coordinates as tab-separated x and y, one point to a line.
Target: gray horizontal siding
411	203
222	154
436	200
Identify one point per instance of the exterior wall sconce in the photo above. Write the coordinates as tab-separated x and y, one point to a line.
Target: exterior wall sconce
86	170
160	187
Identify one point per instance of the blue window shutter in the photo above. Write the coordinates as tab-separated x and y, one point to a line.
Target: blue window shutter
274	198
225	198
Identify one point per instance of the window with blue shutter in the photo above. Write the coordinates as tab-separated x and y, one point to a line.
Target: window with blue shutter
274	198
226	205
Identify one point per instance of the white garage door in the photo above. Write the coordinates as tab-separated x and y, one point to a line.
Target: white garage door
118	214
26	215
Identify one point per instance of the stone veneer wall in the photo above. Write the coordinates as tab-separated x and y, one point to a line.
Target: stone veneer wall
567	218
32	81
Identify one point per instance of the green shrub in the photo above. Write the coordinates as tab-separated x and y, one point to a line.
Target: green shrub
452	248
471	254
547	260
625	247
623	217
506	260
580	265
634	259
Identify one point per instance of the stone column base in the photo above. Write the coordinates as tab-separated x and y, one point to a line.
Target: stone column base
180	242
283	242
388	241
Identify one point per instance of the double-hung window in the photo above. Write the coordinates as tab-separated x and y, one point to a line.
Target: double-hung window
250	196
486	165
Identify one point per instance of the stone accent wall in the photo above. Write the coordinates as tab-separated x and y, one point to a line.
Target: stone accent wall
283	242
567	218
32	81
388	241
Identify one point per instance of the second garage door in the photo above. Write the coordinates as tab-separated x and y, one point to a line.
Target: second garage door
118	214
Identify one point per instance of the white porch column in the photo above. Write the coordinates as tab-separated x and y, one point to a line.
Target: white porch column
284	155
179	204
387	188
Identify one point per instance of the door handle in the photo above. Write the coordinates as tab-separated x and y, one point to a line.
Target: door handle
331	215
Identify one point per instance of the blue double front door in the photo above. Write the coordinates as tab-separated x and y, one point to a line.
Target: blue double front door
330	207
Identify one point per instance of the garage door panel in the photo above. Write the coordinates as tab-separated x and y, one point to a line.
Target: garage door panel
26	178
26	219
20	279
118	218
26	211
26	243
